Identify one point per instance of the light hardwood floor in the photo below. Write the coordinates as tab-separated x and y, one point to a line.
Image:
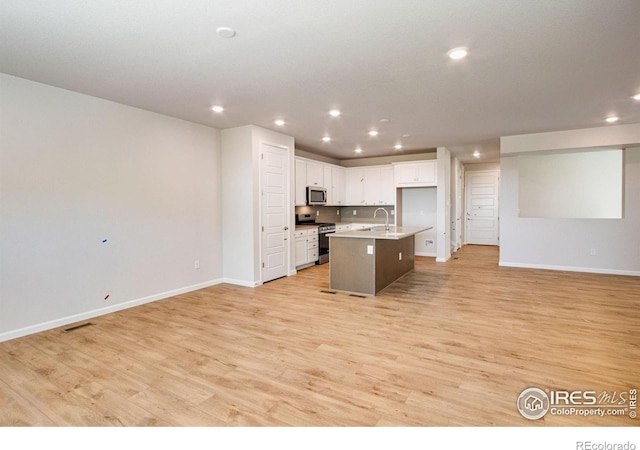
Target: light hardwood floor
449	344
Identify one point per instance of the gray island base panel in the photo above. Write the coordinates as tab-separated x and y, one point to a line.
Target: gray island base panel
365	262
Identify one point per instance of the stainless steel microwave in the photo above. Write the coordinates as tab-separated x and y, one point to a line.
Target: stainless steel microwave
316	195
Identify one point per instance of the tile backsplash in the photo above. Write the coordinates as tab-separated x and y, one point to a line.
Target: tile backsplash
347	213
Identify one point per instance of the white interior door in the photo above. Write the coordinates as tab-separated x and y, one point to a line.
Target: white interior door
275	220
482	207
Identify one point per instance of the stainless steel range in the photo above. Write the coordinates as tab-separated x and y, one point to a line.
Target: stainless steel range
324	229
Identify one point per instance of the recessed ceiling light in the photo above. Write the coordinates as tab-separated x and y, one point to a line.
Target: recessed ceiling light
225	32
358	150
636	97
279	122
334	113
326	139
612	119
457	53
217	108
373	133
476	154
398	146
384	120
406	135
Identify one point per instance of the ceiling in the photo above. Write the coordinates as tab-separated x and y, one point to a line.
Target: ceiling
532	66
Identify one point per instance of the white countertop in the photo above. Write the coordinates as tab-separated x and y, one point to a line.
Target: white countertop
378	232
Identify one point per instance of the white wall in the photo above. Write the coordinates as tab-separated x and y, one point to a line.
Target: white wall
566	243
239	213
419	206
241	201
443	224
76	170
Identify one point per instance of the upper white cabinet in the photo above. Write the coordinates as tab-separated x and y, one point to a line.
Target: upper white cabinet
337	195
315	174
415	174
301	182
370	185
319	174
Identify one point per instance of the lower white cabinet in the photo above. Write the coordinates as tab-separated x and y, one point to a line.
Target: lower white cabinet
312	246
306	244
301	247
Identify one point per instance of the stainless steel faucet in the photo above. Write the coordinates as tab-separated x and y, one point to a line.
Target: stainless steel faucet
386	223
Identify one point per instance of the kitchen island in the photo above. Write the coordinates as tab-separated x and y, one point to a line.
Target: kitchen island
366	261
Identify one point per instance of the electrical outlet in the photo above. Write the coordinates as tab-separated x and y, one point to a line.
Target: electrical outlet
592	252
355	213
337	212
393	212
317	213
400	256
196	264
428	242
369	249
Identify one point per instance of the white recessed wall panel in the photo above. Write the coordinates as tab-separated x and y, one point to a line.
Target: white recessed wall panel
579	184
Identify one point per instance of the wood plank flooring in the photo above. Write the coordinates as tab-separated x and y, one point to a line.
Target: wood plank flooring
450	344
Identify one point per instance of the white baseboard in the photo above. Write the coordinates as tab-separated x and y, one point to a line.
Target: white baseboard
432	255
244	283
102	311
632	273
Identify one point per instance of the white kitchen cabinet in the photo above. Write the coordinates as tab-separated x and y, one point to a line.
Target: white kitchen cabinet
338	191
319	174
312	246
326	182
301	182
355	186
301	247
361	226
381	187
315	174
370	186
306	242
415	174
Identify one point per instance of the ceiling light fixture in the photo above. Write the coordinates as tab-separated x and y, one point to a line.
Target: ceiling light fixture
358	150
476	154
636	97
279	122
225	32
334	113
398	146
612	119
373	133
457	53
217	108
326	139
384	120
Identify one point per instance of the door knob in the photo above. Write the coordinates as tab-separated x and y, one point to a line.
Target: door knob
286	228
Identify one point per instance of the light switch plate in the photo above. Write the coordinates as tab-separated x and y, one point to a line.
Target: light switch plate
369	249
